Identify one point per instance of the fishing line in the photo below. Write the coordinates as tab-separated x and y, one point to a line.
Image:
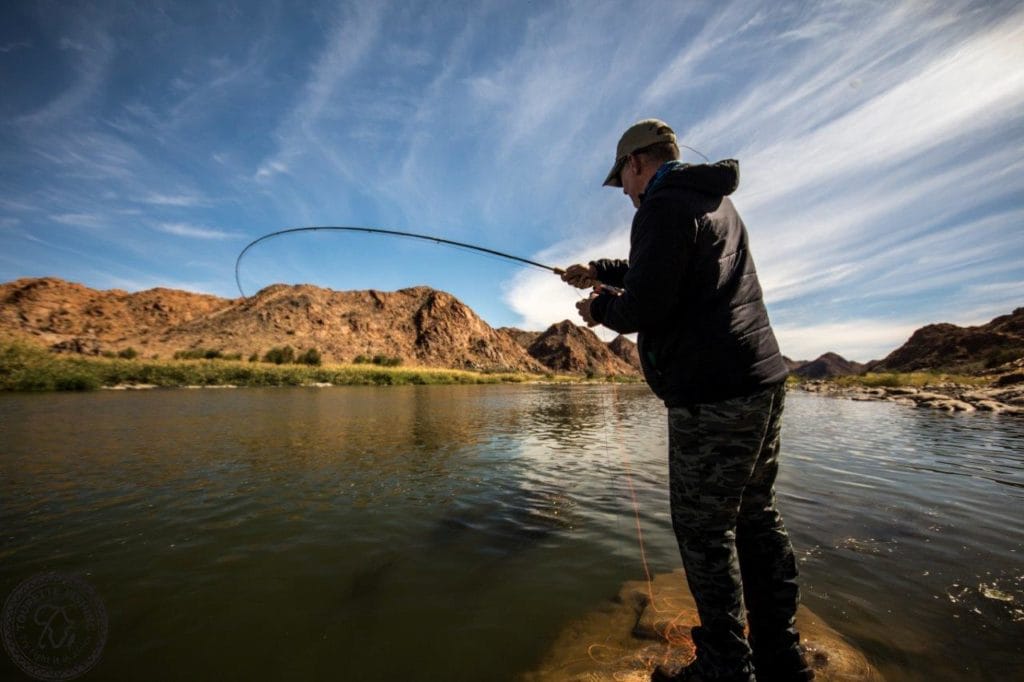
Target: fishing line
672	634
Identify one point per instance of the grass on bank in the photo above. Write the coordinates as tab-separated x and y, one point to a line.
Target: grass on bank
904	379
26	367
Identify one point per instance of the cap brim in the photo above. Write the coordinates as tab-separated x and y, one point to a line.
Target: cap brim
613	179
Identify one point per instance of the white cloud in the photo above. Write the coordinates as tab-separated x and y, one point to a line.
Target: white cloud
158	199
541	298
856	339
88	220
194	231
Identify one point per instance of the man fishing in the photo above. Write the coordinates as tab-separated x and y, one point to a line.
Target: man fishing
707	348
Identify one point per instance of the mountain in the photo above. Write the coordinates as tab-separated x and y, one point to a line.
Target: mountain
567	347
949	347
825	366
420	325
626	350
523	338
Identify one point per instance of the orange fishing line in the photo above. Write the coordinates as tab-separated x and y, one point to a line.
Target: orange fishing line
673	633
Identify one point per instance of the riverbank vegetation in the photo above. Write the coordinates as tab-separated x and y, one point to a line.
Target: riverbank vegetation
27	367
894	379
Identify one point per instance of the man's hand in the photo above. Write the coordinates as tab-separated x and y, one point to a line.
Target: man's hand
580	276
584	309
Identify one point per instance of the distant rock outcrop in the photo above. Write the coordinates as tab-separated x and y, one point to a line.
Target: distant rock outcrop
949	347
567	347
826	366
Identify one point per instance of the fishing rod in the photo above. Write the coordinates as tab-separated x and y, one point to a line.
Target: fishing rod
396	233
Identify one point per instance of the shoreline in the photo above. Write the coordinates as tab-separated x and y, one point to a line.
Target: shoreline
948	396
27	368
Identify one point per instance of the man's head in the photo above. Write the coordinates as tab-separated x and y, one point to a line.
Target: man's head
641	151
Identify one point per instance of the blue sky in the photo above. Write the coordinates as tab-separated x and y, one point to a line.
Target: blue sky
881	147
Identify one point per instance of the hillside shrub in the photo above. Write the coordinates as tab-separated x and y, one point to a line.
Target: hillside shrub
198	354
310	357
128	353
280	356
387	361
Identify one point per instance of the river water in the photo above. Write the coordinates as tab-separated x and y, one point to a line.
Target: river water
433	533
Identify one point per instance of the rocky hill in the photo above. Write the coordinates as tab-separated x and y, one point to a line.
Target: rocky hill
949	347
523	338
626	350
567	347
419	325
825	366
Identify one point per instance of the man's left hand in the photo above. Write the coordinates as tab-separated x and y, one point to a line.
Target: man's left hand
584	309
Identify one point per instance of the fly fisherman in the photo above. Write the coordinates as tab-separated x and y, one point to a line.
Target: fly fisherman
707	350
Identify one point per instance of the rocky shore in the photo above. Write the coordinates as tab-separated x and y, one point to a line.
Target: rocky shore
647	625
999	399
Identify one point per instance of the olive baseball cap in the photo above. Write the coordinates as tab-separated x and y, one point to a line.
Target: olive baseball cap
639	135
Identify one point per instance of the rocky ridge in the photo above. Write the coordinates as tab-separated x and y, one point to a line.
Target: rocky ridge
952	348
419	325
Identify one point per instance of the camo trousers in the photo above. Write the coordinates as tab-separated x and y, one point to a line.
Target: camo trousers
723	459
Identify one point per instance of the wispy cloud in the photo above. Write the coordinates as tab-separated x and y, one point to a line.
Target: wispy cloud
91	63
87	220
185	200
11	47
195	231
347	45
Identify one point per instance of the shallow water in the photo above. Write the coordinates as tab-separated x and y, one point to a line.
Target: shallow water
448	532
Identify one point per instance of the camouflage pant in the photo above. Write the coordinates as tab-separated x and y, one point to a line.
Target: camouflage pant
723	458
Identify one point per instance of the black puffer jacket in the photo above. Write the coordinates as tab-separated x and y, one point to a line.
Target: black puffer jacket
691	292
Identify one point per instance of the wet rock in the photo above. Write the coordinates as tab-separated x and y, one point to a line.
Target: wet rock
646	626
949	405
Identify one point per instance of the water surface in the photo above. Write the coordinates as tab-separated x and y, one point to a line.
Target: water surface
448	532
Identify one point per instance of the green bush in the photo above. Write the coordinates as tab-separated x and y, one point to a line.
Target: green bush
128	353
280	356
198	354
361	359
77	381
310	357
387	361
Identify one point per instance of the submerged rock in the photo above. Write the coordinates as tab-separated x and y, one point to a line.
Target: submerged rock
646	626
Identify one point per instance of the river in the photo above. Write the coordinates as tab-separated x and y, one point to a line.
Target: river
439	532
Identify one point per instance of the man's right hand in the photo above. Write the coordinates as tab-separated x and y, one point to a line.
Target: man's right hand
580	276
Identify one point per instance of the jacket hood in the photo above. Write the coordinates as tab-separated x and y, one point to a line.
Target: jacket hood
719	179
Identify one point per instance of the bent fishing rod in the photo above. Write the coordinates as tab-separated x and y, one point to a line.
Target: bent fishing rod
397	233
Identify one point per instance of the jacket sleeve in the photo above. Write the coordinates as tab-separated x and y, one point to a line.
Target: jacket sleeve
611	271
660	249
